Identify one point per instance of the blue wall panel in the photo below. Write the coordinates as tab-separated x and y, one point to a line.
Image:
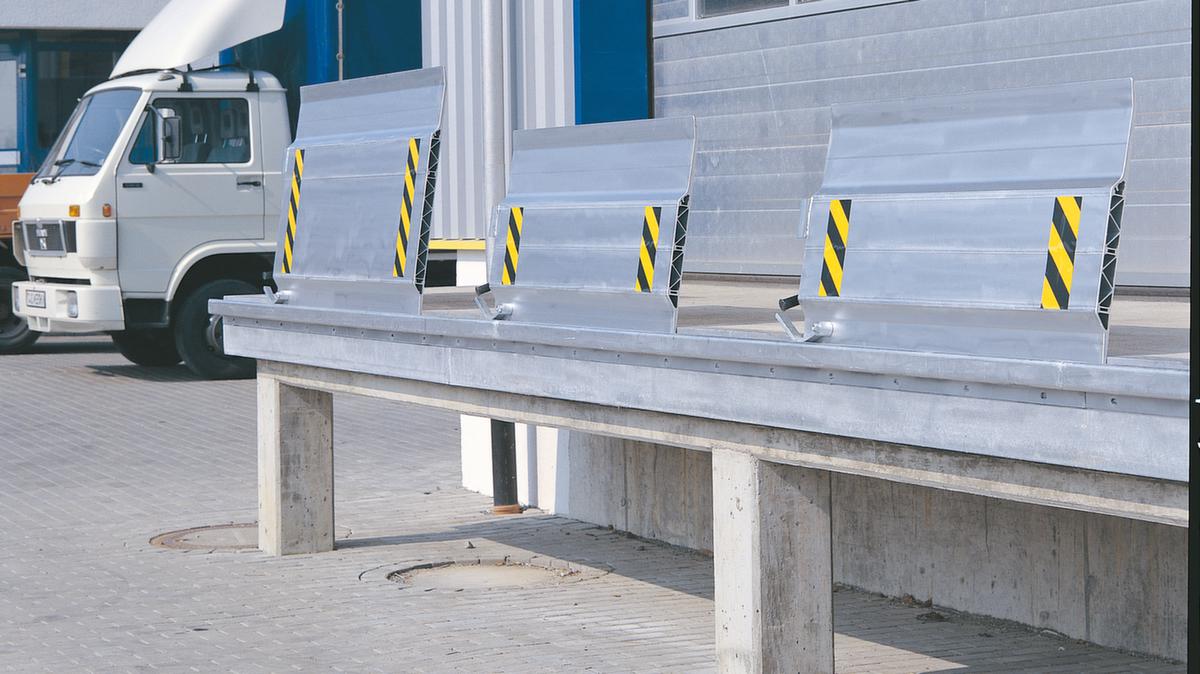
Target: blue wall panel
382	36
304	50
612	70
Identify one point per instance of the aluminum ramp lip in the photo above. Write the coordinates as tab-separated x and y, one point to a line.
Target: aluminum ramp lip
984	223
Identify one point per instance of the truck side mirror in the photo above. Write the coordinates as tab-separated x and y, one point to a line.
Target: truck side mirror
170	138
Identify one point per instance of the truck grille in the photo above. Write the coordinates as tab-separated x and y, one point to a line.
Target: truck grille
49	238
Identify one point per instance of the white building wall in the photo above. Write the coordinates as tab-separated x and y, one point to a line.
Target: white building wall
78	14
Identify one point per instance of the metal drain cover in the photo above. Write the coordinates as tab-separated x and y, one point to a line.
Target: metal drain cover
484	574
235	536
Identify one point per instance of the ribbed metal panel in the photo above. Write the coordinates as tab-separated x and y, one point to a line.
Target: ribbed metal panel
539	91
450	37
761	95
542	60
670	9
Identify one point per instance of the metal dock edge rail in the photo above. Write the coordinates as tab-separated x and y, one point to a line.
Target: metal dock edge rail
1113	419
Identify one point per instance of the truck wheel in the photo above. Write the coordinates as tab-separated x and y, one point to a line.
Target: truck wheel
15	335
198	334
152	347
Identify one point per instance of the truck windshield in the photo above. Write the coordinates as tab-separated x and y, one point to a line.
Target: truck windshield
89	135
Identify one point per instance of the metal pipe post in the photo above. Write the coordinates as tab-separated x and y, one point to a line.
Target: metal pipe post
504	436
341	52
492	65
504	468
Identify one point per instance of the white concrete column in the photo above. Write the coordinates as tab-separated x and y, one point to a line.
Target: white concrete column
772	556
295	469
475	446
470	268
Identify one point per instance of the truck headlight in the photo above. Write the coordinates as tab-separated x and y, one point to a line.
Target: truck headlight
72	304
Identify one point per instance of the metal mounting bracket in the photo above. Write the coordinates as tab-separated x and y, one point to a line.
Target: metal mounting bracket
273	297
499	313
812	333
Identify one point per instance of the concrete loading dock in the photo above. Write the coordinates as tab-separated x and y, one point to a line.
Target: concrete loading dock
780	419
1139	586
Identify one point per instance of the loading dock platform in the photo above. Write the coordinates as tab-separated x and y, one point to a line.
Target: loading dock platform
946	358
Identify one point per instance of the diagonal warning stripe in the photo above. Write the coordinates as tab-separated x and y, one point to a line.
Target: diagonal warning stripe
400	264
836	234
644	280
289	243
1060	252
512	246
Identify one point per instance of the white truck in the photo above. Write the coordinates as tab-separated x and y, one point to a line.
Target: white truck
162	191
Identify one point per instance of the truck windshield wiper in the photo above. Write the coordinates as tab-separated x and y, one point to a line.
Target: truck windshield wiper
61	164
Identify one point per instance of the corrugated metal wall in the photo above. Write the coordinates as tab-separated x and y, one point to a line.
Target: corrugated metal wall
760	93
539	88
542	58
450	35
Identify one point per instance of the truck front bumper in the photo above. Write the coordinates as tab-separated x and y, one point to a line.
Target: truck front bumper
63	307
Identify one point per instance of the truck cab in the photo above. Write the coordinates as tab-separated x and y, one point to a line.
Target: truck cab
162	192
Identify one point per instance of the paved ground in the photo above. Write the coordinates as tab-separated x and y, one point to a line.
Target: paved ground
98	455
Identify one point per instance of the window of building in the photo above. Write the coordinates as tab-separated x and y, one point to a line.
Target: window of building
215	130
709	8
8	104
63	76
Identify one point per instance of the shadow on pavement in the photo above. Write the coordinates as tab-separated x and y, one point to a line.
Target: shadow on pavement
546	535
958	642
173	373
45	346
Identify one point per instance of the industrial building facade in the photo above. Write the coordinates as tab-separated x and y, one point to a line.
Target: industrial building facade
51	52
760	77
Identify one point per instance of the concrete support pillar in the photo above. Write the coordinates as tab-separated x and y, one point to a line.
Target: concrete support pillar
295	469
772	555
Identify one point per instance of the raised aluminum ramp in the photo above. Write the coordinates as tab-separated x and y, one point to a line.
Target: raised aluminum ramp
591	231
983	224
354	230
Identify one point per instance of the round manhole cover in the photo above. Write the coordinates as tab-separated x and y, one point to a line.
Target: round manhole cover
235	536
485	574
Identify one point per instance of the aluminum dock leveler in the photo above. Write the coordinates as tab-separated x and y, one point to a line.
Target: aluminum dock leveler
957	312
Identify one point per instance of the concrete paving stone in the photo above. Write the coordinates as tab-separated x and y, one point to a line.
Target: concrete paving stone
100	455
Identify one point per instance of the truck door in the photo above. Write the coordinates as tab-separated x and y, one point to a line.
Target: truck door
213	192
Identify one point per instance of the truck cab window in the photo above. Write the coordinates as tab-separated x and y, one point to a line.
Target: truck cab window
143	151
89	135
215	130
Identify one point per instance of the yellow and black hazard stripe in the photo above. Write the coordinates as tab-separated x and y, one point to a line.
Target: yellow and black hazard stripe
1060	255
289	243
512	247
836	234
644	281
406	207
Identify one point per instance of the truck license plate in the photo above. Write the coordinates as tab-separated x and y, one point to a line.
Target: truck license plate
35	298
